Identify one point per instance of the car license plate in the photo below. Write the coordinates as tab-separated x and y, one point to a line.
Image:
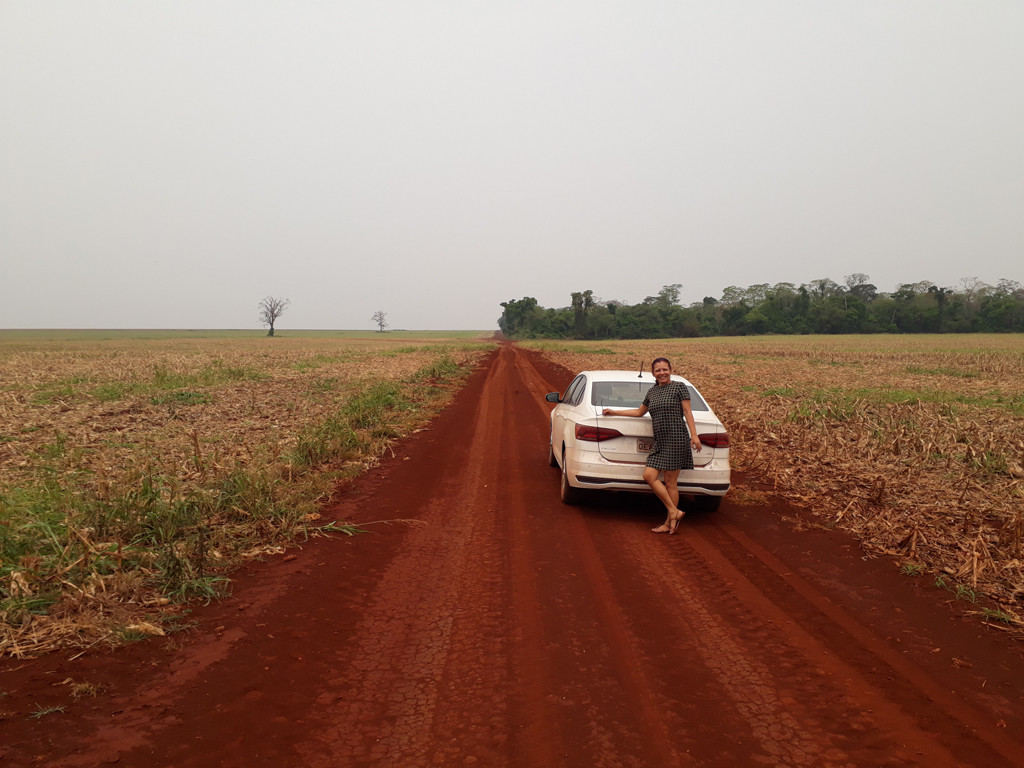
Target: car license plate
644	445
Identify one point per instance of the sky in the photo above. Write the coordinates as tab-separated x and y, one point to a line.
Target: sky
167	164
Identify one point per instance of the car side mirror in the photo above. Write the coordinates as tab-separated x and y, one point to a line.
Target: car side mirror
552	397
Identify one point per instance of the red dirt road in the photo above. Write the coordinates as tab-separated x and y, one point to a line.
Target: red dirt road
505	629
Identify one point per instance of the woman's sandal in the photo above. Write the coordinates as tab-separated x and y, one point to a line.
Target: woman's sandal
674	523
670	525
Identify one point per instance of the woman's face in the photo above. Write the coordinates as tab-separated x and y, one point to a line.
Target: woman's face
662	373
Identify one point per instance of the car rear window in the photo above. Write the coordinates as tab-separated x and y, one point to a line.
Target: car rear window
630	394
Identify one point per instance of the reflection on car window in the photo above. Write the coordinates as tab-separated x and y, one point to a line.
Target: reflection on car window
630	394
577	394
572	392
565	396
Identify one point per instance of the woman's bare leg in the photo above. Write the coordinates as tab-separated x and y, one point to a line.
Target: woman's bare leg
672	486
668	493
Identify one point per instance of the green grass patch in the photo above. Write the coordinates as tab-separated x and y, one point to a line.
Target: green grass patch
127	635
369	407
909	396
216	372
828	405
117	390
776	391
56	391
991	614
332	439
840	404
163	379
991	463
843	404
364	418
955	372
442	369
59	529
960	591
1011	402
991	399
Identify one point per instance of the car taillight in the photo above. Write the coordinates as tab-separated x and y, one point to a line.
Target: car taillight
715	439
595	434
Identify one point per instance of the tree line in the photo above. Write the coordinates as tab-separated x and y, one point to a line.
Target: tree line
819	306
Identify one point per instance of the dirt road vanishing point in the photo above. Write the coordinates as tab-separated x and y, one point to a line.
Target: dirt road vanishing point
501	628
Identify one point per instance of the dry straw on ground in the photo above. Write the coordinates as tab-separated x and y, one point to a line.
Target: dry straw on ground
914	444
133	422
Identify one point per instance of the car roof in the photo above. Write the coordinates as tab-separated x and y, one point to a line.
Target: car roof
645	376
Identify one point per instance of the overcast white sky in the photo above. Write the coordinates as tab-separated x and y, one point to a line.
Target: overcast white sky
168	164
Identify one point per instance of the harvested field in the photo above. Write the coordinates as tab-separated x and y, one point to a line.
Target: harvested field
913	443
135	472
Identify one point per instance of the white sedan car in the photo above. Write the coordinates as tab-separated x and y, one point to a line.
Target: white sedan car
609	452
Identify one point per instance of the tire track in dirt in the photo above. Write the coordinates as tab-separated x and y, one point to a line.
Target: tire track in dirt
419	645
746	650
723	548
572	620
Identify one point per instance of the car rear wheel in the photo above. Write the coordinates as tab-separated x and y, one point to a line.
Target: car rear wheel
707	503
568	494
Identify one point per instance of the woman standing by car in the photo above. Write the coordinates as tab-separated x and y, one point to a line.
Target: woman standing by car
675	437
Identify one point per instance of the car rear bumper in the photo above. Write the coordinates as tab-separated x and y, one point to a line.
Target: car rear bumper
595	472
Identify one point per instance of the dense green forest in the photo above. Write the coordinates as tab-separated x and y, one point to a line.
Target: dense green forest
820	306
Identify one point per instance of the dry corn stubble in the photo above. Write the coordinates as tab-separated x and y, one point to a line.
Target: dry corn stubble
183	425
913	443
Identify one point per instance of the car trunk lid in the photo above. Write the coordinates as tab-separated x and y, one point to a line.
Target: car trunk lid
637	438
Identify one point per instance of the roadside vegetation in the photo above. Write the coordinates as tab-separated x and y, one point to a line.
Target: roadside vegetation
915	444
136	473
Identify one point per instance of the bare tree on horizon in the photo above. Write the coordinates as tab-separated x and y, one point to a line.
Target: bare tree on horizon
272	308
380	318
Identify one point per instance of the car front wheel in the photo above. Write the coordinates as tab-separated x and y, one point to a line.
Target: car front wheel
552	461
569	495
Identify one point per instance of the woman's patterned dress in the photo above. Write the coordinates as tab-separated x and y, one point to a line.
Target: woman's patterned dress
671	437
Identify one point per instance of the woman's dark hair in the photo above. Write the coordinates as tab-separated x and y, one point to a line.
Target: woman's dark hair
657	360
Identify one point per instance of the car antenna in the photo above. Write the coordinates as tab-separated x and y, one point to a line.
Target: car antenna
641	374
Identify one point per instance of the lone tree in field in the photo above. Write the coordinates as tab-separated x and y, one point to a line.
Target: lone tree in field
381	319
272	308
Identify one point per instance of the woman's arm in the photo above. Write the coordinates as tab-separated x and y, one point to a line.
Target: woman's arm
688	415
630	412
